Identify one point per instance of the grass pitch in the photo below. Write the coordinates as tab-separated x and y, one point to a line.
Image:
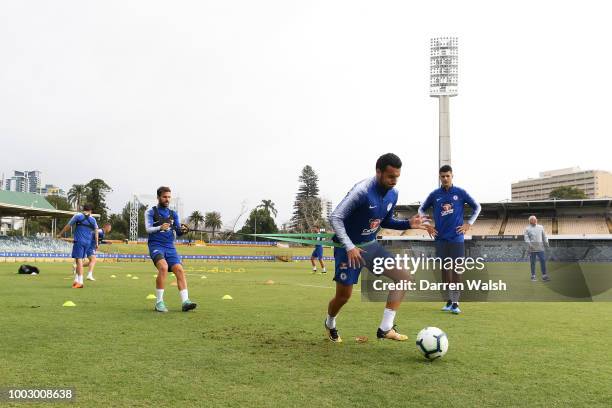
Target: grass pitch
216	250
266	347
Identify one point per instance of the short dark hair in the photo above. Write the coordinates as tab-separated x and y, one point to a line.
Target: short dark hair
87	207
162	190
445	168
388	159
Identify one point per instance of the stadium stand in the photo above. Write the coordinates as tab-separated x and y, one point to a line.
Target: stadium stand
559	217
517	225
486	227
31	244
514	249
588	224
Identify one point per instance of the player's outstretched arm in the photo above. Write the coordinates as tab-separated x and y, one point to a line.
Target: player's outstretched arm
423	222
67	226
63	231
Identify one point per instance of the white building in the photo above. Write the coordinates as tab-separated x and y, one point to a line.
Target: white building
326	208
23	182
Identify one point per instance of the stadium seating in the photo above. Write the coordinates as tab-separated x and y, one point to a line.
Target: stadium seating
516	226
588	224
31	244
574	250
486	227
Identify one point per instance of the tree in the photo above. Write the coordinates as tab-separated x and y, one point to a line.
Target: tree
96	195
121	227
196	218
76	195
567	192
60	203
265	223
268	205
307	207
212	220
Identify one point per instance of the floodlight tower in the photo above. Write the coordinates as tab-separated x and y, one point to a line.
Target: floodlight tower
134	218
444	62
146	200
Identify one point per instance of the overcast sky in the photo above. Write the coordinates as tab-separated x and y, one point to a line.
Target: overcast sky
226	101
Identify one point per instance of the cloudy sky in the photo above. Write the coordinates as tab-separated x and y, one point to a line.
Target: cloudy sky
226	101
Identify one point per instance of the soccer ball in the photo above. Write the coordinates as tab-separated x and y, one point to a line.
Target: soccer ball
432	342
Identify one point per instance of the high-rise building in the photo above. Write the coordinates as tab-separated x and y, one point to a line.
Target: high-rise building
326	208
594	183
23	182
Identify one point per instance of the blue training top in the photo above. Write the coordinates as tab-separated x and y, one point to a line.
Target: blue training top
448	211
364	210
85	227
157	237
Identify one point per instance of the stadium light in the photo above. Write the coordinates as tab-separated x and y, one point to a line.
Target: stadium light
134	219
444	62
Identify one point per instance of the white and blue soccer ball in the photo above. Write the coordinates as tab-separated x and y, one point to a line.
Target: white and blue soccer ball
432	343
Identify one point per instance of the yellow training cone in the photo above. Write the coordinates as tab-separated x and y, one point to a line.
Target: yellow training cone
203	277
129	275
151	297
135	277
227	297
113	276
69	303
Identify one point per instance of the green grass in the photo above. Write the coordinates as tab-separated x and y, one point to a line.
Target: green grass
215	250
266	347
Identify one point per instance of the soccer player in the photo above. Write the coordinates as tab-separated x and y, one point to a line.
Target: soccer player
536	239
356	220
91	251
85	225
448	202
162	225
317	254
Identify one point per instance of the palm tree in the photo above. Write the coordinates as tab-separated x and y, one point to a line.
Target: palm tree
212	220
268	206
77	194
196	219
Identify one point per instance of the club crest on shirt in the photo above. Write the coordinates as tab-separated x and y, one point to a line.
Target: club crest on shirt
455	197
447	209
374	224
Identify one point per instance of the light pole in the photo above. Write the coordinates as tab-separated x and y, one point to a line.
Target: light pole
444	62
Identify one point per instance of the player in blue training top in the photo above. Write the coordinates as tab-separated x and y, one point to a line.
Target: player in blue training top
317	253
162	224
91	251
85	225
448	203
356	220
